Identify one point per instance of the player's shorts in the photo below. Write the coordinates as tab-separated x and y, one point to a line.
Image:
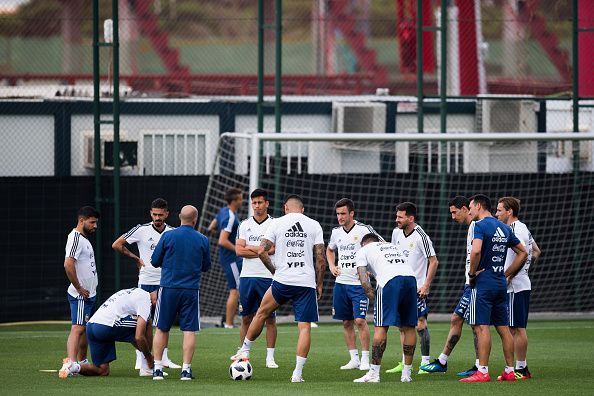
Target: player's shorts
488	307
518	308
184	302
232	271
462	307
396	303
102	341
149	288
251	292
81	309
422	309
305	300
349	302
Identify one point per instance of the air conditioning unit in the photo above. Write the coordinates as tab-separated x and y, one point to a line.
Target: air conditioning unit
503	116
560	153
128	151
359	117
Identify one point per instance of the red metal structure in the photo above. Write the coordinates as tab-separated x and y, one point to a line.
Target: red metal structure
406	22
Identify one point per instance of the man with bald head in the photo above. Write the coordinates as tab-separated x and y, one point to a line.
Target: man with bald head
183	254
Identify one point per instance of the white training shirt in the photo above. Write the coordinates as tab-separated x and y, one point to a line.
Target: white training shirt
146	237
252	233
469	239
80	249
122	308
521	281
347	243
417	248
294	236
384	260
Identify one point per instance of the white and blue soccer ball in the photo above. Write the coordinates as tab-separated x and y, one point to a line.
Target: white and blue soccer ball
240	370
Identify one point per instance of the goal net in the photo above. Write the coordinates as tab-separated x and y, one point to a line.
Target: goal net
552	175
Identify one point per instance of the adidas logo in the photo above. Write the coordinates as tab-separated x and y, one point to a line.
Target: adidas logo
296	231
499	236
151	239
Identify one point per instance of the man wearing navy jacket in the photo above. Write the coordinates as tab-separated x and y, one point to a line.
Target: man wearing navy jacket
183	254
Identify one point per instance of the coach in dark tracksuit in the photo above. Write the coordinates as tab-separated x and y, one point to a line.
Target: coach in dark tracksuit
184	254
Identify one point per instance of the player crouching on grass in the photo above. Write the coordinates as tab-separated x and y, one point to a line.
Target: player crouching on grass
124	317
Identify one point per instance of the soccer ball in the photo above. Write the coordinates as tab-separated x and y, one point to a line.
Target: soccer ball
240	370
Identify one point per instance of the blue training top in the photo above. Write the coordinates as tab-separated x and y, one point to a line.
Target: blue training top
497	237
184	254
227	220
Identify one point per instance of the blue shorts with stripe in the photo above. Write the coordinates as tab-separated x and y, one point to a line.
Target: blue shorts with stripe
519	304
81	309
488	307
102	341
172	302
422	309
305	300
349	302
251	292
232	271
396	303
462	307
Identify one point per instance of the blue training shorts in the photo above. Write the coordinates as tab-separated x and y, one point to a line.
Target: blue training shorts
102	341
305	300
349	302
232	271
488	307
462	307
184	302
81	309
251	292
422	309
519	304
396	303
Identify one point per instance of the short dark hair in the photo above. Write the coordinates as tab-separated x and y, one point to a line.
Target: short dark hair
511	203
345	202
459	201
295	197
408	207
232	194
159	203
88	211
483	200
371	237
259	192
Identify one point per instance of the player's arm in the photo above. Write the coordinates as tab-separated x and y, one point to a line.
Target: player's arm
332	261
320	267
245	251
70	269
141	341
225	242
535	252
431	271
365	282
212	227
519	260
263	254
120	246
475	258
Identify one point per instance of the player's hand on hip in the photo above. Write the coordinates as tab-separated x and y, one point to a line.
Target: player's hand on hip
139	263
423	291
83	292
335	270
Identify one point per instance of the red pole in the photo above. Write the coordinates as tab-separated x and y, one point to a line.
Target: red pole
585	48
467	42
428	39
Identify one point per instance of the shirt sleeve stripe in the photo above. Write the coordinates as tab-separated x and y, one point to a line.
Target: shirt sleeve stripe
425	240
74	245
131	232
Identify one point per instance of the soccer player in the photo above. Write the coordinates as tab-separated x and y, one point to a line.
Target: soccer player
518	290
417	247
488	299
460	212
395	302
349	301
227	223
146	236
255	278
124	317
80	268
184	254
299	242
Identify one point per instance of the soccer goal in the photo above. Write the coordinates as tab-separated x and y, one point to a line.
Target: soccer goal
551	173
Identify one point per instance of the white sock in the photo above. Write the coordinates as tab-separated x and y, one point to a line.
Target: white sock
365	356
247	344
403	358
520	364
476	363
186	366
158	365
139	357
483	369
269	353
425	360
165	356
354	355
443	358
299	363
374	369
509	369
143	363
407	370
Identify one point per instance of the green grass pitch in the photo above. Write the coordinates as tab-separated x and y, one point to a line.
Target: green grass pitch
560	356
